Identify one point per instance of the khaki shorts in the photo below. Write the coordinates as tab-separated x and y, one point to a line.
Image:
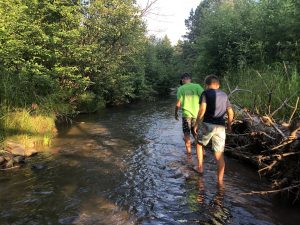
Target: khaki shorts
213	132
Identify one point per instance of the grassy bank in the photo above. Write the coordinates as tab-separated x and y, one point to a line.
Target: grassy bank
25	127
265	90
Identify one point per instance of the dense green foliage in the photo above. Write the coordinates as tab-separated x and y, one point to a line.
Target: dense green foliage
60	49
59	57
240	39
234	34
159	65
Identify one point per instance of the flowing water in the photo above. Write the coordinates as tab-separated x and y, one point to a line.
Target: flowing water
128	166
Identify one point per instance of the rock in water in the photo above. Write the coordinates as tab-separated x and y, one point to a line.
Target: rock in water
38	166
15	148
18	149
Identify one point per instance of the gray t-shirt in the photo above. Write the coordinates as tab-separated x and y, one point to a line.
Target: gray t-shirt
217	104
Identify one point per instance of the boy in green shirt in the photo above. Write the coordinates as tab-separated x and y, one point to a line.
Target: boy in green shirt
188	96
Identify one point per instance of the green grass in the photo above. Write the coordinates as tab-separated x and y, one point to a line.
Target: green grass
24	127
269	87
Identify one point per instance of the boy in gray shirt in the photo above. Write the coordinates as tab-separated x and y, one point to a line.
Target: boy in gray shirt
214	105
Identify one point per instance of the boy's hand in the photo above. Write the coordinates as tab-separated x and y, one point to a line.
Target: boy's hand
196	128
176	116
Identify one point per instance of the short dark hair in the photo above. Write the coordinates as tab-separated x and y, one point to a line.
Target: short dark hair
186	76
210	79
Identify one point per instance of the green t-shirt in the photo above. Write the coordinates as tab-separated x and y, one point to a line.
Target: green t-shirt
189	95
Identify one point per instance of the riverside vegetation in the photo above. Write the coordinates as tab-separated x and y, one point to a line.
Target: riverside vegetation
59	58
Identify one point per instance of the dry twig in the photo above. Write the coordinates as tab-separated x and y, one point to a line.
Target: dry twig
272	191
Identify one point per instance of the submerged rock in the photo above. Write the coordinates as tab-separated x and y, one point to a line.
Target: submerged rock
39	166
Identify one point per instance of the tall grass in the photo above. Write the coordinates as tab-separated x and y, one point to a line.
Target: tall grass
27	128
18	120
269	88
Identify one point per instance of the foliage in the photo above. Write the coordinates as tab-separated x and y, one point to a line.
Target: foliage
269	86
60	57
113	39
234	34
159	64
89	102
38	42
254	44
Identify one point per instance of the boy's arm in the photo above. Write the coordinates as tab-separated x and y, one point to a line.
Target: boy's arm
177	107
230	115
200	114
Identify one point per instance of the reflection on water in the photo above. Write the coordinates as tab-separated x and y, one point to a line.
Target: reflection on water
128	166
212	209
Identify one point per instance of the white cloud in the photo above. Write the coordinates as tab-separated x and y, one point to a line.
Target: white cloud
167	17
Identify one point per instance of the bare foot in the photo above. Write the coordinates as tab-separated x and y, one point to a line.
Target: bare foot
199	170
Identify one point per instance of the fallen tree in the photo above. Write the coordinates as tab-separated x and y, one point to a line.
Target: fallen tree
269	143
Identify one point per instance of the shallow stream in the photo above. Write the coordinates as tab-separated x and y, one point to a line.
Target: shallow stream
128	165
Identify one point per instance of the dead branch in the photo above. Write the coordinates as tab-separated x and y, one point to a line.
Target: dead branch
278	130
269	122
269	167
10	168
272	148
238	90
145	11
283	104
281	156
257	133
294	111
272	191
227	84
286	142
293	133
248	114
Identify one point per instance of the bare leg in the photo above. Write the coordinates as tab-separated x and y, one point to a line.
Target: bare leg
199	149
196	142
189	159
187	141
221	166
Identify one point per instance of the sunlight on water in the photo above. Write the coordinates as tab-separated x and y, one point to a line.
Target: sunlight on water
128	165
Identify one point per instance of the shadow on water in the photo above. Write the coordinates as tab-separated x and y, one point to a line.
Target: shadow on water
128	165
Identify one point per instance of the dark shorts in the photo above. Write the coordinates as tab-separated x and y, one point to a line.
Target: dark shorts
188	125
